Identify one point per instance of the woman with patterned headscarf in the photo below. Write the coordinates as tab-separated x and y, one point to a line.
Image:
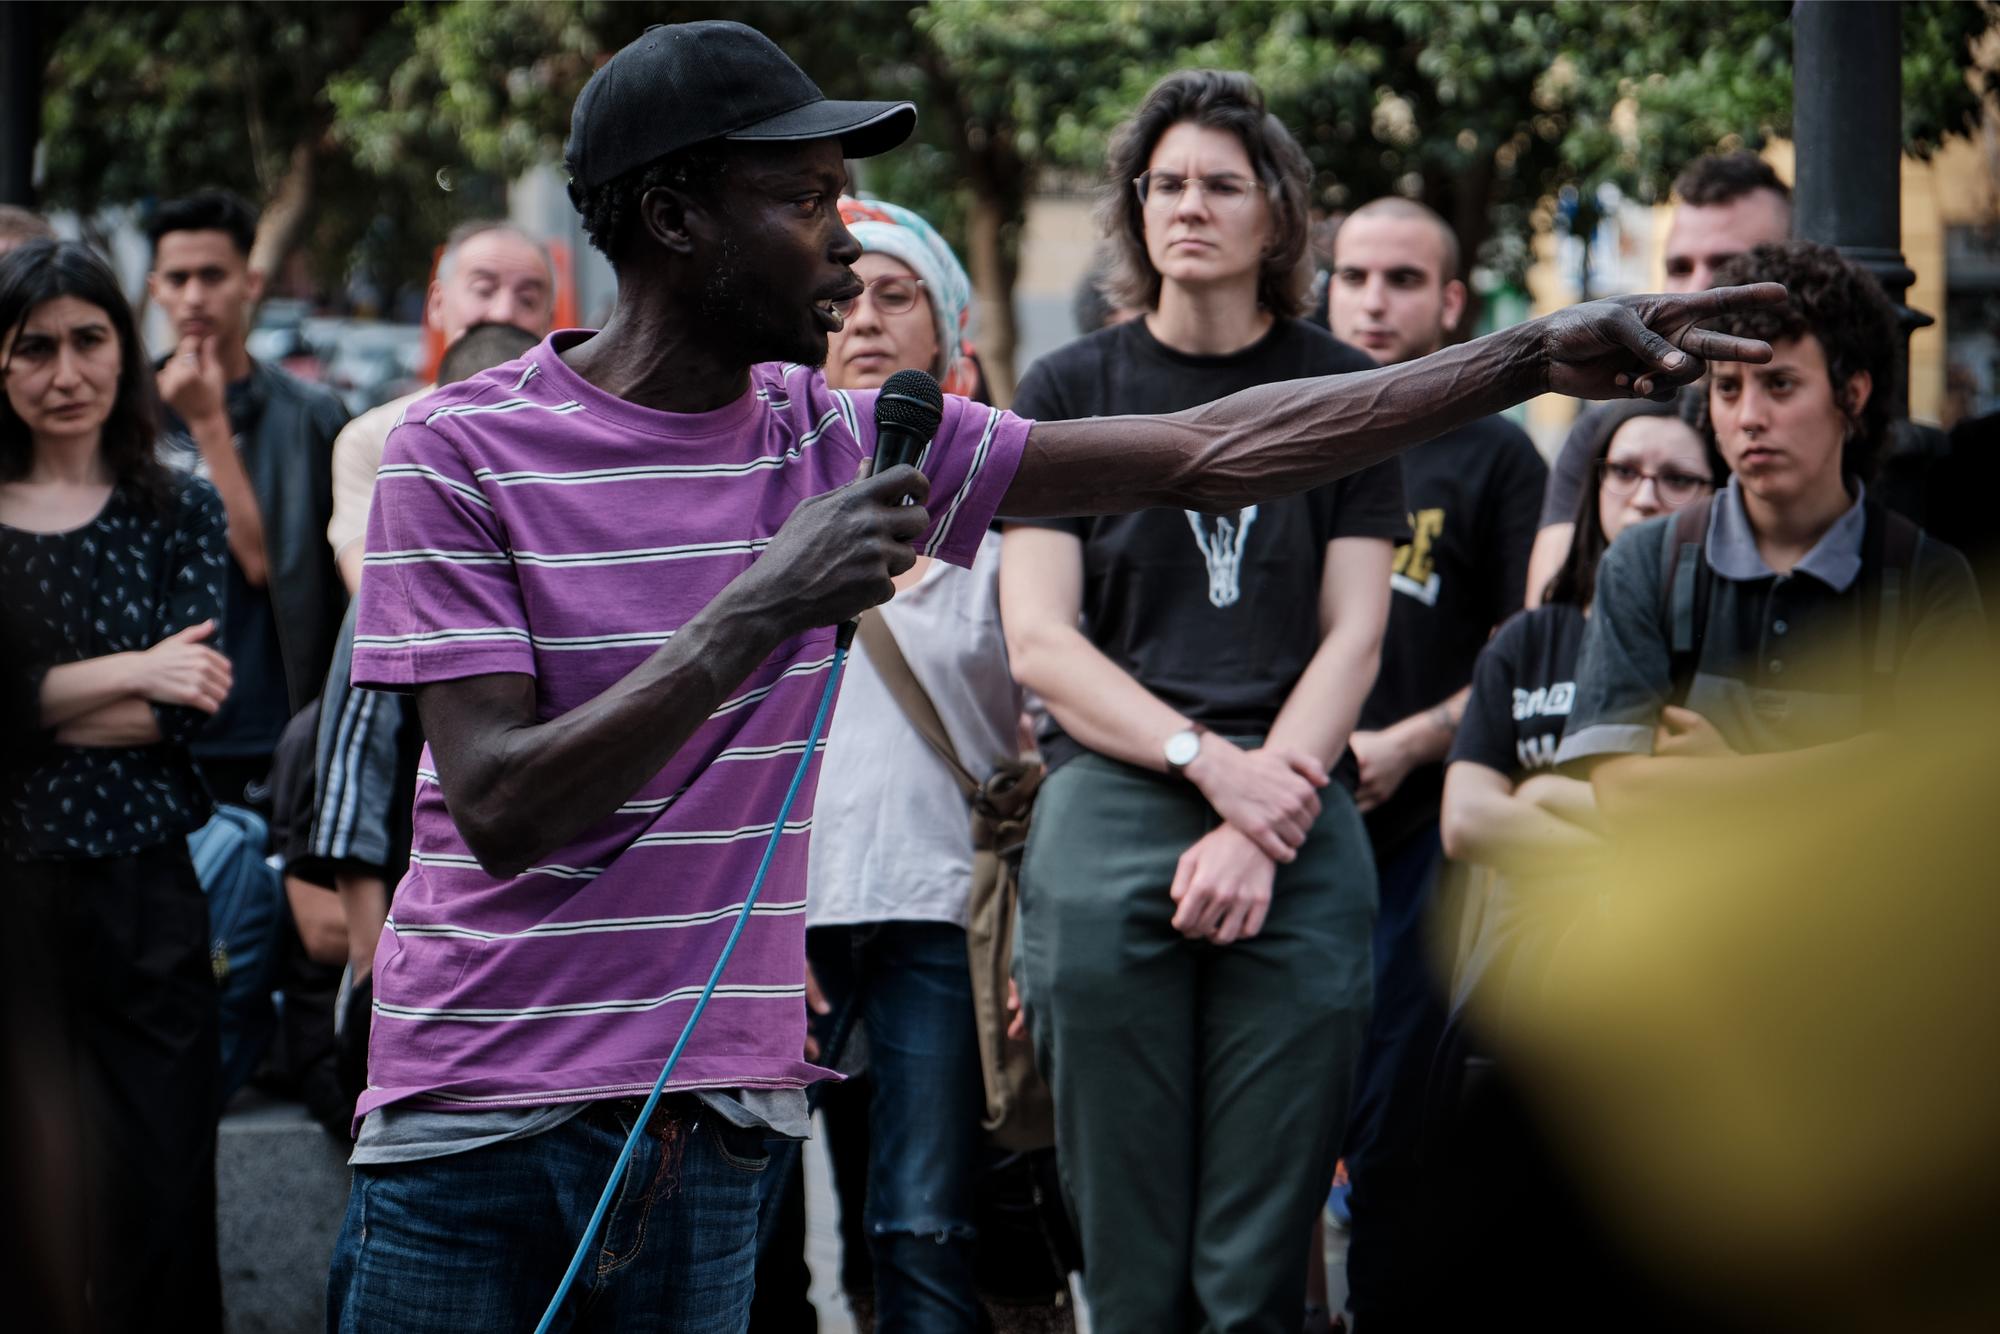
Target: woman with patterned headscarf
890	871
915	311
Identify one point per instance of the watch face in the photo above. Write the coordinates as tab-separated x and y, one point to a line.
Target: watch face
1182	747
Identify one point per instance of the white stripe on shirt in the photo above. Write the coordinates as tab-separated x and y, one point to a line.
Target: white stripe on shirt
583	1009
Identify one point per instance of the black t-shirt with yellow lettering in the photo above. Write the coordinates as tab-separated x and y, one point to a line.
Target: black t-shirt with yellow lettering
1217	614
1475	495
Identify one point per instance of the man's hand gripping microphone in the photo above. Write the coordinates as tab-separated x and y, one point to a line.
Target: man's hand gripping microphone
907	412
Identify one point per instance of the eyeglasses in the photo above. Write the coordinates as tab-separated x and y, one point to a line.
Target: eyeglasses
1164	191
1675	488
892	294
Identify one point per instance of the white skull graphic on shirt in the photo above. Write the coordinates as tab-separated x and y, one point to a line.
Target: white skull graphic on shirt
1221	538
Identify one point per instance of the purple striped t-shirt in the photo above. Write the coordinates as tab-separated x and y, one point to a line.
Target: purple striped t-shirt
525	521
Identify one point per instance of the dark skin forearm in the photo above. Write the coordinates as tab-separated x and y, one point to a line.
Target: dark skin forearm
1280	439
1274	439
519	788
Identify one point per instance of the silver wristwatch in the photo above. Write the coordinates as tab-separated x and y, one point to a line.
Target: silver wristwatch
1182	748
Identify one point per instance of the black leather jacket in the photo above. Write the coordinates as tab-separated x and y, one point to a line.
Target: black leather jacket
284	429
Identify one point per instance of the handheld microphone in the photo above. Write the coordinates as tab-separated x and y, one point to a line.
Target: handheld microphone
907	412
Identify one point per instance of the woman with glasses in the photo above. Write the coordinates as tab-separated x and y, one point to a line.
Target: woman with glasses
1495	1206
1648	462
111	576
890	871
1198	893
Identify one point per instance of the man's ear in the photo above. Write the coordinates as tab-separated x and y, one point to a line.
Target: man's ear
253	285
669	217
434	306
1454	305
1854	399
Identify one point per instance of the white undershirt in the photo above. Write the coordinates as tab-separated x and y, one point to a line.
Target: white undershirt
891	839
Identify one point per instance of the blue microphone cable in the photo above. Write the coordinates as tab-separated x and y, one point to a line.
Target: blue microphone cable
843	640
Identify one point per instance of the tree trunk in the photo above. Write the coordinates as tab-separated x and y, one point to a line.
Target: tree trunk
998	180
993	273
284	219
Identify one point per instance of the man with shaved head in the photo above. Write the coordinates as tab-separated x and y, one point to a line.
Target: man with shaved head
1474	494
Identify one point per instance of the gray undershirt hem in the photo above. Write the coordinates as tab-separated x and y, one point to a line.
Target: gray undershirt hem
412	1134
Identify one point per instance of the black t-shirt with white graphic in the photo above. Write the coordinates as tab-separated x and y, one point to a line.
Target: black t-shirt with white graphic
1218	615
1475	494
1522	689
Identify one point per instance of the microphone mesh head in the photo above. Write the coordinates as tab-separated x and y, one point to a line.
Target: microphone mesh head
912	400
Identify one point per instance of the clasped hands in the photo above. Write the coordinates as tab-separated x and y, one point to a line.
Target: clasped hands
1268	799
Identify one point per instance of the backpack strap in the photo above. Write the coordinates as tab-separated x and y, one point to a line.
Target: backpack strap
887	658
1684	595
1888	555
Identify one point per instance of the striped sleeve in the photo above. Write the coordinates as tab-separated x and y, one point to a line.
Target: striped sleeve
439	597
970	464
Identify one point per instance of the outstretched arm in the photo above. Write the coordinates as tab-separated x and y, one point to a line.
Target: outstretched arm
1279	439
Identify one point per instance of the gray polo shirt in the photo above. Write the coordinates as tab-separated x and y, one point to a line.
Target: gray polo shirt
1781	659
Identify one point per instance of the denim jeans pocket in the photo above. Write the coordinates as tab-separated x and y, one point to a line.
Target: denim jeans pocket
745	1150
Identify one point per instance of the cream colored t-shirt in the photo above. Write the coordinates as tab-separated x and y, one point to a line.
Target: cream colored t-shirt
357	453
892	838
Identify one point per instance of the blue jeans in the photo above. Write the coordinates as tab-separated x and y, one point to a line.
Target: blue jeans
910	985
479	1240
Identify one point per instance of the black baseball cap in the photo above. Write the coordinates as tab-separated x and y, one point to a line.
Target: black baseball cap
681	84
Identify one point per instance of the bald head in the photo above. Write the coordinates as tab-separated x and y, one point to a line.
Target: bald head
1395	292
491	273
1417	215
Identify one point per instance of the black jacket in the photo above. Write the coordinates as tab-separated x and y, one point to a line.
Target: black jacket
285	429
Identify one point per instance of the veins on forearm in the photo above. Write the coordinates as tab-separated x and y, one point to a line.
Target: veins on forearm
1282	438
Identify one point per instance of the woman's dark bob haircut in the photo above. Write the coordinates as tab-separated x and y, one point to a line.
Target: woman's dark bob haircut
1575	581
40	272
1217	100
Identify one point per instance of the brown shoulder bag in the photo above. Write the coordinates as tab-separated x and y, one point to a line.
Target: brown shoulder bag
1020	1114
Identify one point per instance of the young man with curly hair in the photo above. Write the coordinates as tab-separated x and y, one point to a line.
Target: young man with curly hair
1724	203
1823	610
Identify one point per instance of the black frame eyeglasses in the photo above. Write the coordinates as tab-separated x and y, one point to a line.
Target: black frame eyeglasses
1674	487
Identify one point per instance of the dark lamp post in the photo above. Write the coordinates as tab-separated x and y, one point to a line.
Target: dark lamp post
1847	123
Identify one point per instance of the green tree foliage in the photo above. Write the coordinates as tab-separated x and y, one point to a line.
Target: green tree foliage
1486	110
144	101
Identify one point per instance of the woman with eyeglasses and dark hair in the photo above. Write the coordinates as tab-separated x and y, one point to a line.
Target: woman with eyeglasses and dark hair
889	874
1495	1203
1198	893
111	573
1648	461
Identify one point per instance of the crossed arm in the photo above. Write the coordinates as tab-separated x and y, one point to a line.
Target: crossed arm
109	700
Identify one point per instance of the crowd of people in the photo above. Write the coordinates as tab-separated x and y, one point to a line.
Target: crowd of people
506	666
